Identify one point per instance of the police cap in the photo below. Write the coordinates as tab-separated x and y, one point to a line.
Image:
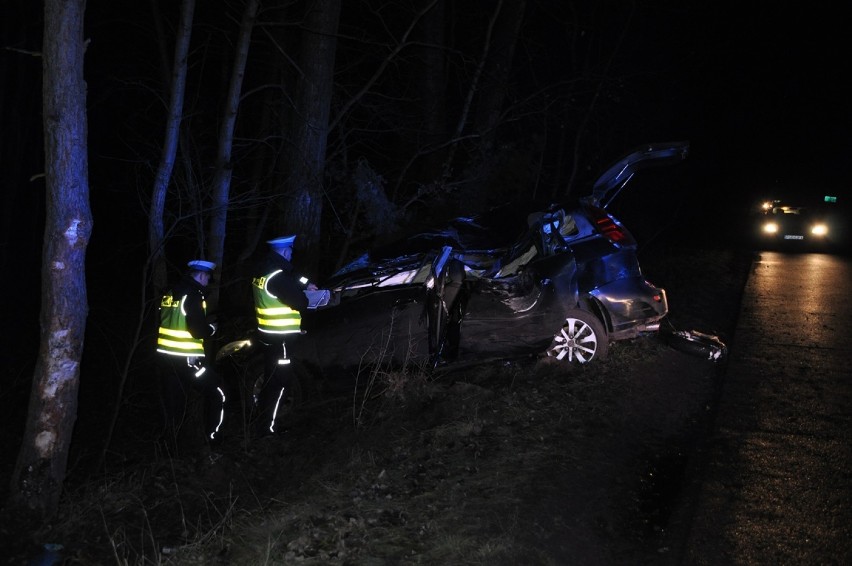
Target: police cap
282	242
201	265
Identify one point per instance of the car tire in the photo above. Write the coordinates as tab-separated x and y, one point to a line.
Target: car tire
581	339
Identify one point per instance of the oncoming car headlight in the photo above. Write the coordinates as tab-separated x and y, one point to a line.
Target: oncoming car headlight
770	228
819	230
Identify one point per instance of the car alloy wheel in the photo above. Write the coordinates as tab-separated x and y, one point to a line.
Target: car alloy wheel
580	340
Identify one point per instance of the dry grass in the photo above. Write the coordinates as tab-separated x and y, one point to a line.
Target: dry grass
526	462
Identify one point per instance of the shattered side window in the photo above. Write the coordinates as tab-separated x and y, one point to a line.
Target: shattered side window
408	276
478	263
559	220
553	229
358	263
405	277
513	266
569	227
363	273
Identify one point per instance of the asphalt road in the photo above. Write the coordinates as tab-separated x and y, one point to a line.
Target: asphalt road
774	485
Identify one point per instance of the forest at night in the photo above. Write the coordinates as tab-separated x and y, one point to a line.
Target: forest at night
212	127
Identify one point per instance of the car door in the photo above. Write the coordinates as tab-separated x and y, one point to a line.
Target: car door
519	313
384	324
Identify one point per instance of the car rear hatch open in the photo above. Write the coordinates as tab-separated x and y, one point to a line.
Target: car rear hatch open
616	176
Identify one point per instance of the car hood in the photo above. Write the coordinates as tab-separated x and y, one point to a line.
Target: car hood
620	172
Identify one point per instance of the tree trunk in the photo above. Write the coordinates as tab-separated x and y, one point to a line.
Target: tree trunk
156	231
309	133
224	167
39	472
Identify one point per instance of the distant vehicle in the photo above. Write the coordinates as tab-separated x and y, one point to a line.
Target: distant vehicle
783	224
561	280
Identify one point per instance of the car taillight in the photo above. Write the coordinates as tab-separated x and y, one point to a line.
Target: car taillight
608	227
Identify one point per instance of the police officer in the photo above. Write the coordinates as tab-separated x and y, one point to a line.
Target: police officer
279	300
183	330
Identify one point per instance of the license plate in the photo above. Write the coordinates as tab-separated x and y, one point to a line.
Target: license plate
793	237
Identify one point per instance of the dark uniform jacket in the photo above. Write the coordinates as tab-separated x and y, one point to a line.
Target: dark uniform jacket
196	318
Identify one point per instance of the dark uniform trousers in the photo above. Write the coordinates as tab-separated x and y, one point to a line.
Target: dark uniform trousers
277	379
182	375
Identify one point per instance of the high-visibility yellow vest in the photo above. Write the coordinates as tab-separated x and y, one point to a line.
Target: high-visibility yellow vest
174	337
272	316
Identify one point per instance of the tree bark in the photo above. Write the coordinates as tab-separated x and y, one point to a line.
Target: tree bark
156	230
309	132
224	168
39	472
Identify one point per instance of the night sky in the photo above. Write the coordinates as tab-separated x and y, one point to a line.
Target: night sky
761	92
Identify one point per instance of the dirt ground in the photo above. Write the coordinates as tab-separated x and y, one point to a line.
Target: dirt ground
516	462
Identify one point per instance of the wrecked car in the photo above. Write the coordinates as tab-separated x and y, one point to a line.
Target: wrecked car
562	281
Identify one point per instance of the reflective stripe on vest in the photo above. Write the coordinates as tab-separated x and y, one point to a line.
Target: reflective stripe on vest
272	316
174	337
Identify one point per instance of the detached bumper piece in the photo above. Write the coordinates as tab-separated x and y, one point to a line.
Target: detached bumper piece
696	343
